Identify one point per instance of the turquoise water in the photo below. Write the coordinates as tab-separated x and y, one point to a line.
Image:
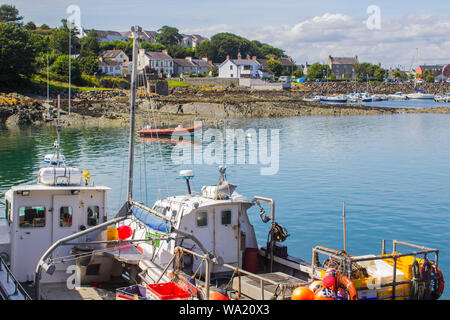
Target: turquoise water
392	171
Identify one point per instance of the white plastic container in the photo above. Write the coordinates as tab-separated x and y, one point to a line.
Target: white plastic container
380	273
55	176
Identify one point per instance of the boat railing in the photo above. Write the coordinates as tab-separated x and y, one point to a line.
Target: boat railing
348	262
18	289
239	272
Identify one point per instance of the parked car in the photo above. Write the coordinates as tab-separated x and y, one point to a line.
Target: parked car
421	81
284	79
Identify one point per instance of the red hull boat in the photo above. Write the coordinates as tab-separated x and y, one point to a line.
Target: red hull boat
169	132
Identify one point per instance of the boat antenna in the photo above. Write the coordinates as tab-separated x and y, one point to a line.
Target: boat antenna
58	130
344	226
135	30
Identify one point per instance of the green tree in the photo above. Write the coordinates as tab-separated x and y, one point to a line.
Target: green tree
61	67
44	27
30	26
399	75
88	64
16	53
298	73
168	36
428	76
275	66
59	41
9	13
90	45
204	49
152	47
318	71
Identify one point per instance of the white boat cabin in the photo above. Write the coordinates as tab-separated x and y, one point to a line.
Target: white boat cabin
37	215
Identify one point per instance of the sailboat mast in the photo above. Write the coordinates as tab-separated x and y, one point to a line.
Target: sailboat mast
48	91
70	53
135	30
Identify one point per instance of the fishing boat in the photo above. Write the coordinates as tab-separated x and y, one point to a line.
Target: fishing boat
168	132
419	95
314	99
193	245
442	98
396	96
335	99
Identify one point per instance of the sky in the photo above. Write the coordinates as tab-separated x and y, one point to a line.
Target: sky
396	33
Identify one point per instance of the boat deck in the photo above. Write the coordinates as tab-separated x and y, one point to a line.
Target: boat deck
59	291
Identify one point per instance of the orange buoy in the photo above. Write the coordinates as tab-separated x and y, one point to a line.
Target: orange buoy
325	294
302	293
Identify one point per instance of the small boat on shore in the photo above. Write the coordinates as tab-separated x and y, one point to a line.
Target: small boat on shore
335	99
442	98
396	96
314	99
179	130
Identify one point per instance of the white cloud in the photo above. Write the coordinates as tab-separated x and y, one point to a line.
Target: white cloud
340	35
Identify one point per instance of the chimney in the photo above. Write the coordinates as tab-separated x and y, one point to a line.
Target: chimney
164	51
248	57
210	62
254	58
272	58
228	57
205	58
189	58
239	56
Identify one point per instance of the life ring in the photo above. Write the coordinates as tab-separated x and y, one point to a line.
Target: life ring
441	282
348	284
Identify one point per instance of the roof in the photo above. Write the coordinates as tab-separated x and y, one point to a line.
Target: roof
344	60
243	62
110	53
104	34
431	66
184	63
158	56
284	62
201	63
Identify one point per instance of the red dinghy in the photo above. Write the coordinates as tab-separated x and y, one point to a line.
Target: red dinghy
180	130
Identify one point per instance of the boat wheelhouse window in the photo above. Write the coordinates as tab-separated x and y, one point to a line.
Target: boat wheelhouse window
65	217
174	214
159	209
226	217
93	215
30	217
202	219
8	210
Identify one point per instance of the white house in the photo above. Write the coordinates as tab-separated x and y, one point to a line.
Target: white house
192	41
161	62
113	62
240	68
191	66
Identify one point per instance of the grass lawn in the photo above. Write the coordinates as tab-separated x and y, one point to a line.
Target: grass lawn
60	86
175	83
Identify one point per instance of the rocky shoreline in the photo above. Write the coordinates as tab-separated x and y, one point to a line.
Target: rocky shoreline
186	104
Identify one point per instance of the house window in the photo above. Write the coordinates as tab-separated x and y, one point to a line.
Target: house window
231	67
231	75
65	217
93	215
226	217
202	219
30	217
